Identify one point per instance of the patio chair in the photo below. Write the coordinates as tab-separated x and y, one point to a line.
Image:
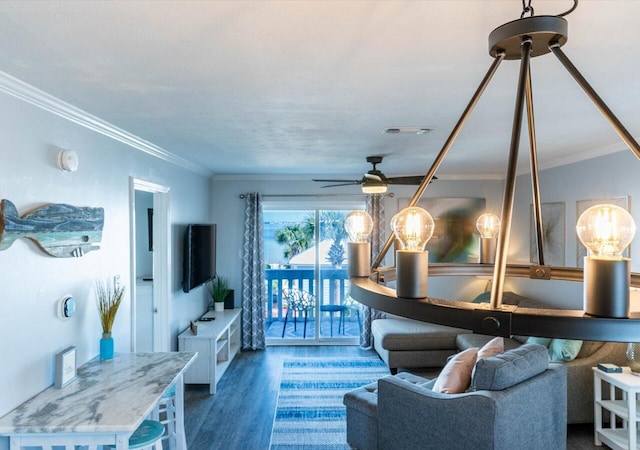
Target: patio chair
298	302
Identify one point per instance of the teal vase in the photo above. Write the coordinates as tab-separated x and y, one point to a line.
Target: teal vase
106	346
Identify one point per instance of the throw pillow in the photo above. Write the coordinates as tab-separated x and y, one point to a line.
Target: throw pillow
539	340
456	375
494	347
507	369
564	349
485	297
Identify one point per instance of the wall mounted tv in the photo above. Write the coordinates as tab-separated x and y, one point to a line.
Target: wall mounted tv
199	255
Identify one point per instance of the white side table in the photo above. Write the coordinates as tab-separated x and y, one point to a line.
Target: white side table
623	391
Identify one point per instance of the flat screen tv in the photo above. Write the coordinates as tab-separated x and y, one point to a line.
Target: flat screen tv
199	255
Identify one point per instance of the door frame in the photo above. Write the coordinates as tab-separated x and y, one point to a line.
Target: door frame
161	262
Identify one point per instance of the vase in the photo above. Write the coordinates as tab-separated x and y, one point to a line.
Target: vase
219	306
633	357
106	346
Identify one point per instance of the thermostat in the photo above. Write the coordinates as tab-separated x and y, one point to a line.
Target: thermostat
67	307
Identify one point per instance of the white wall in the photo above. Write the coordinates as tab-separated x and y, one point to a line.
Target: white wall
609	176
228	213
31	282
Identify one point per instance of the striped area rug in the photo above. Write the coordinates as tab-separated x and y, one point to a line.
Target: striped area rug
309	411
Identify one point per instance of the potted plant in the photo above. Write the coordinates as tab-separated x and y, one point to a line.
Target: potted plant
219	289
109	298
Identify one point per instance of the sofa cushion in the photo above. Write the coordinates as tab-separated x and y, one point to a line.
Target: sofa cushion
456	375
407	334
589	348
510	368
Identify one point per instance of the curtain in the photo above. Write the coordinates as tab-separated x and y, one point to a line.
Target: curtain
375	208
253	283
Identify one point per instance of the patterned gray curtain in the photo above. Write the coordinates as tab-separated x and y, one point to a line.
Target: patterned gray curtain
253	283
375	208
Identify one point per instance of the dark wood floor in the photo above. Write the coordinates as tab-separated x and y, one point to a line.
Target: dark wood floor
240	415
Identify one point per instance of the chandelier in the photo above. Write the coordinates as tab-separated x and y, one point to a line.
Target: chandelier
606	316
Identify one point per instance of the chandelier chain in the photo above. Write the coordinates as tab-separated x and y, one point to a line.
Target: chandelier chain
528	9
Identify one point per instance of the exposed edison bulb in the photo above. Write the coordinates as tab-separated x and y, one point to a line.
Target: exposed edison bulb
606	231
413	227
358	225
488	225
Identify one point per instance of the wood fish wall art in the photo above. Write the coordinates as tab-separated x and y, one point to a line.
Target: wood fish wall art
60	230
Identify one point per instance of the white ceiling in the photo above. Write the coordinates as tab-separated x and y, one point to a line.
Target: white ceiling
306	87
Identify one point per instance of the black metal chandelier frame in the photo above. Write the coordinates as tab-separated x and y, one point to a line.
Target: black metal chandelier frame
521	39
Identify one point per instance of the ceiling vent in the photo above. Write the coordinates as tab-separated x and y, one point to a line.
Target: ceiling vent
407	130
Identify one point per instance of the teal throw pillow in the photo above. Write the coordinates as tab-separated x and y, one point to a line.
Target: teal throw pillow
485	297
539	340
564	349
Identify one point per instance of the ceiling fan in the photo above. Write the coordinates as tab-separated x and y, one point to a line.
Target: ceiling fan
374	181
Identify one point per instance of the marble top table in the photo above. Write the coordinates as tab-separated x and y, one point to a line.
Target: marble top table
104	405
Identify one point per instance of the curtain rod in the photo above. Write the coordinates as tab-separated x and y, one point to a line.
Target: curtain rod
390	194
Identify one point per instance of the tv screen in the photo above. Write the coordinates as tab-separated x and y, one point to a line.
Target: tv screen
199	255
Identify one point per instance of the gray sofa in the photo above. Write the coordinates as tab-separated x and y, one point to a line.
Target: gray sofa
410	344
402	412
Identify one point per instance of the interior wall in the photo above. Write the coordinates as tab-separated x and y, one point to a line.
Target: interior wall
228	213
32	282
604	177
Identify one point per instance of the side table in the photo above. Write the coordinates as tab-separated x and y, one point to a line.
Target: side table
623	403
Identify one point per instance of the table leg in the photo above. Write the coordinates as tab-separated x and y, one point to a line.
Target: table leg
631	424
597	393
181	439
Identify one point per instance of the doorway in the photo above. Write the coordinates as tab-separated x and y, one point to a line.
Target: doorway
307	275
150	266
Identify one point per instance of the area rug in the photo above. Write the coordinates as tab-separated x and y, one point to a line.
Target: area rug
309	411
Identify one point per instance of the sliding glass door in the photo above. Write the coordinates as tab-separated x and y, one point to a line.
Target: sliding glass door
307	277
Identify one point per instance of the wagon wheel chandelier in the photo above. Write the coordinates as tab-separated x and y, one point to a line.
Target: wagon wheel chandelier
521	39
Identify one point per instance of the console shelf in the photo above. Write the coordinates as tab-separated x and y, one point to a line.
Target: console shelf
217	342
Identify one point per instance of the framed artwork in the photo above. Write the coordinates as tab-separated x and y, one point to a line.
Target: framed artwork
552	234
65	367
454	238
582	206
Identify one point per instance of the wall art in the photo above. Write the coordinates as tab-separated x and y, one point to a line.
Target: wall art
455	238
59	230
552	234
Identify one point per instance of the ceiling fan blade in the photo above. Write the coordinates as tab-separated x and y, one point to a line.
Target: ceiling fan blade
351	183
417	179
339	181
371	176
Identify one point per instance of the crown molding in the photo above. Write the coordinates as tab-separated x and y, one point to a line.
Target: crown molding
30	94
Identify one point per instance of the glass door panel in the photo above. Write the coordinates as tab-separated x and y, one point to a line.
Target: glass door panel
307	277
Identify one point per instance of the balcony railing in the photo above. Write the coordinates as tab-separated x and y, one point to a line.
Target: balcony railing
334	285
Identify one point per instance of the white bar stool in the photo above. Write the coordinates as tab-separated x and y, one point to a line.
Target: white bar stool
165	413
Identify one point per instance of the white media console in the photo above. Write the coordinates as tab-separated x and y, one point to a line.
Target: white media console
217	342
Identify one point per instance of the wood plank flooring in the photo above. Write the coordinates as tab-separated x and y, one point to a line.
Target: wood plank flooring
240	415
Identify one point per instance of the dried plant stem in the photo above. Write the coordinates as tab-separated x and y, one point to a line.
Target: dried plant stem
109	299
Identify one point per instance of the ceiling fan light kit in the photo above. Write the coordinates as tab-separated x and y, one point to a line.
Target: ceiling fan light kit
606	316
374	181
